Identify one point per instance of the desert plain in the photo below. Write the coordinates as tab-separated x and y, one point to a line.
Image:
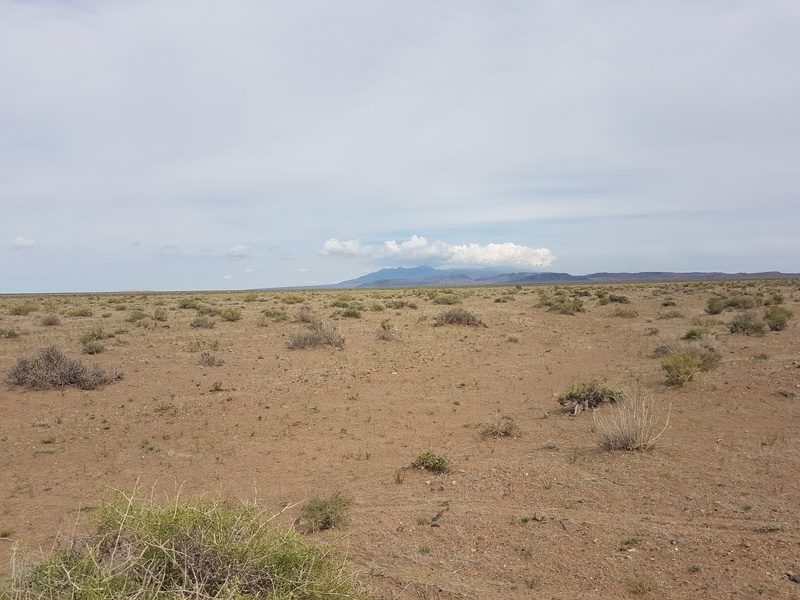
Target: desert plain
214	402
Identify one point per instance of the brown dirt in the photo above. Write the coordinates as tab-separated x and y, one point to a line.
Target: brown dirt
712	512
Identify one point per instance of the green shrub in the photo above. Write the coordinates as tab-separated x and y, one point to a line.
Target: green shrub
696	333
351	312
625	313
457	316
560	303
21	310
430	461
777	317
189	303
293	299
446	299
80	312
618	299
741	302
160	314
8	333
715	305
671	314
325	512
188	549
586	395
397	304
747	323
52	369
136	316
680	367
92	347
208	311
230	314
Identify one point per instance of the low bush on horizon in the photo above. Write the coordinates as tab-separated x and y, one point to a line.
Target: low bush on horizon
52	369
24	309
186	549
230	314
586	395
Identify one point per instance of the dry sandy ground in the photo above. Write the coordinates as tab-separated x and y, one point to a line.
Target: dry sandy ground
712	512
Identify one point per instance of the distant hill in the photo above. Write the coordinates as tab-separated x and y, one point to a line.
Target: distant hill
424	276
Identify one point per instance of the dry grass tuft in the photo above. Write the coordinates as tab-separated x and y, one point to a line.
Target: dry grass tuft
630	425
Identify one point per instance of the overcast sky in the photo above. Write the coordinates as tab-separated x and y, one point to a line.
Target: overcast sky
199	144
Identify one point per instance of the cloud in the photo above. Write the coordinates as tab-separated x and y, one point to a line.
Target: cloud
22	242
418	249
238	252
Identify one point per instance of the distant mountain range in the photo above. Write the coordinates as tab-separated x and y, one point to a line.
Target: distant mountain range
424	276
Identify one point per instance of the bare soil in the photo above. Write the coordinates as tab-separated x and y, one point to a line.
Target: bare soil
711	512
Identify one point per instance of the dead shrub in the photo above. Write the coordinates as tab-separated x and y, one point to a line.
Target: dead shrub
52	369
586	395
319	333
500	426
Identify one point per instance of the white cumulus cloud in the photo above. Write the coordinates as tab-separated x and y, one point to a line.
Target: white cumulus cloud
418	249
239	251
23	242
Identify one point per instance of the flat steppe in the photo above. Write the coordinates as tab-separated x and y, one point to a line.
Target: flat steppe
711	512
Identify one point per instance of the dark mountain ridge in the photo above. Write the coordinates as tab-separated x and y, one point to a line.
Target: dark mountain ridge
424	275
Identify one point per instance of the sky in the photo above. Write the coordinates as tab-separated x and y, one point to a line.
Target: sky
204	145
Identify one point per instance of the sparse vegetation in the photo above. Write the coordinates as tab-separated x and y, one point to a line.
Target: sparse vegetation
202	323
8	333
319	333
777	317
209	359
457	316
747	323
430	461
51	320
500	426
230	314
24	309
187	549
586	395
632	424
52	369
326	512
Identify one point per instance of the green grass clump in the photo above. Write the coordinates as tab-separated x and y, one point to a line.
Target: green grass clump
747	323
446	298
189	303
586	395
680	367
625	313
560	303
777	317
80	312
187	549
430	461
457	316
8	333
21	310
230	314
715	305
697	333
52	369
326	512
